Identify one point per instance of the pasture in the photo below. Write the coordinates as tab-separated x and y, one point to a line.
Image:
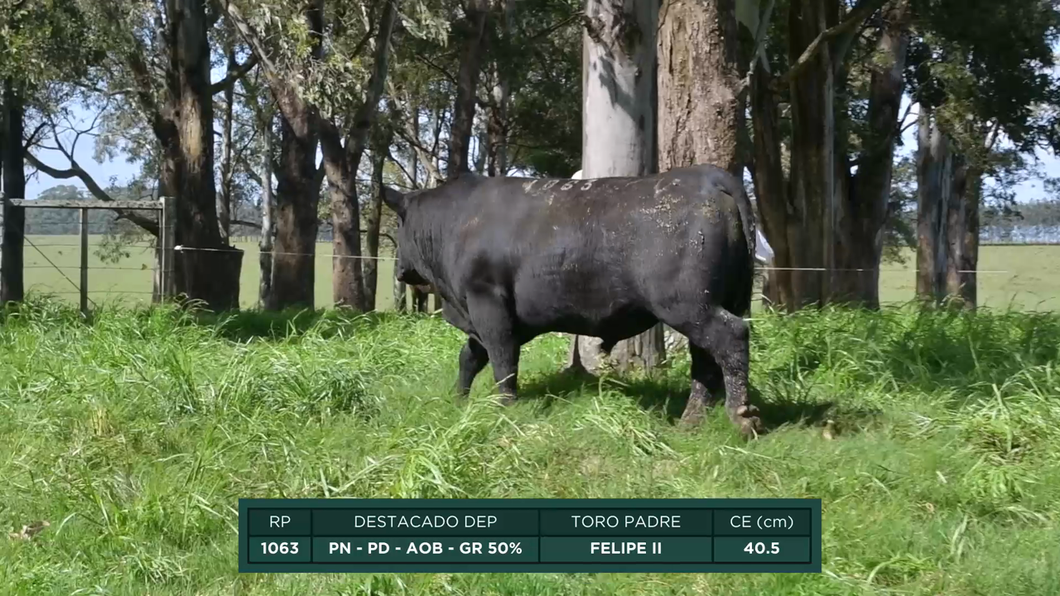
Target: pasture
134	437
1027	277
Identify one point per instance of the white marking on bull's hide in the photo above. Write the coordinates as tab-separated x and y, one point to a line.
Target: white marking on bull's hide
529	185
550	184
587	185
567	186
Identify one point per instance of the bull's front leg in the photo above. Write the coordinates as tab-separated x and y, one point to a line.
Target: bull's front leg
495	327
473	358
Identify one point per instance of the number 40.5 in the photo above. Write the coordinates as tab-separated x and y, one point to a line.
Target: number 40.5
760	548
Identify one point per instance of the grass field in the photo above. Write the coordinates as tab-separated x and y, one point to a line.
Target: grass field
135	436
1028	277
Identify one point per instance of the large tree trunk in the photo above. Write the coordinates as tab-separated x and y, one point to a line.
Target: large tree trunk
864	209
969	261
342	164
374	220
811	239
962	233
266	297
297	186
497	125
295	219
618	127
210	275
700	115
799	215
771	186
14	182
474	36
224	202
934	187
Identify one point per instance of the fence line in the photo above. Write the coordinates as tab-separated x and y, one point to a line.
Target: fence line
757	268
180	248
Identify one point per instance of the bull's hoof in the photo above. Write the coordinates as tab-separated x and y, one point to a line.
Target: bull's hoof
751	427
693	414
749	423
746	410
692	419
508	400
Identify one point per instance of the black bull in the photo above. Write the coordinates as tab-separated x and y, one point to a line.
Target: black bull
513	258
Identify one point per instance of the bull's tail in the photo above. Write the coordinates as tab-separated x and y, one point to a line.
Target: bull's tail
747	223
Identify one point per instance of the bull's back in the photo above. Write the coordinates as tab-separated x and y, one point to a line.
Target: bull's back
590	253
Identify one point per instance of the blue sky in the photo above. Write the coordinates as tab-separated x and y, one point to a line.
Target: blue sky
120	170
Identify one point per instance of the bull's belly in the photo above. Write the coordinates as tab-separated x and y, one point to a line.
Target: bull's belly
609	321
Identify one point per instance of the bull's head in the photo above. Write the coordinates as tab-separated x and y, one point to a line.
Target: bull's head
406	250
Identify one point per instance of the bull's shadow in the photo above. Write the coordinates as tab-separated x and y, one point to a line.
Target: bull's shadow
668	393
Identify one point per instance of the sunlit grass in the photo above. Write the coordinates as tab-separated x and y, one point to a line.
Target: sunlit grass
135	436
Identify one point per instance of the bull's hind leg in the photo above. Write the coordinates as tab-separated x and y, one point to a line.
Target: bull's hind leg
707	382
473	358
727	338
494	325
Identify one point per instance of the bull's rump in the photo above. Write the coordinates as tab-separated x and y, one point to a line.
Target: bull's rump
594	256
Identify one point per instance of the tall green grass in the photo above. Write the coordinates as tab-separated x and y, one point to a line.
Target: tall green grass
135	435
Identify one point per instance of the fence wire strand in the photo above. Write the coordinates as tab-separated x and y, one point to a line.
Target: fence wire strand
77	287
757	267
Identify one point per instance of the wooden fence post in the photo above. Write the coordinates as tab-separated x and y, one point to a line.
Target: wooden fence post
83	288
168	231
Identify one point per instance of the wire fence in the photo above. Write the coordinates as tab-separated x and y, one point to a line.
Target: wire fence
1024	276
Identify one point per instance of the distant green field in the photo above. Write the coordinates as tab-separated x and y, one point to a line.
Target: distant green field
1028	277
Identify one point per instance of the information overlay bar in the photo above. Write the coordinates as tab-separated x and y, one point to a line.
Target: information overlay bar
530	535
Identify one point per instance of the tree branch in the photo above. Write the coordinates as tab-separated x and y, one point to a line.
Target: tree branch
556	27
855	17
365	115
993	135
445	73
76	171
234	75
292	105
760	42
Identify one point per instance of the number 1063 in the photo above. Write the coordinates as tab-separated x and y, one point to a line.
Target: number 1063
279	548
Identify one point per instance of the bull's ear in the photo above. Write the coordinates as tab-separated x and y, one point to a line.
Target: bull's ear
395	200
